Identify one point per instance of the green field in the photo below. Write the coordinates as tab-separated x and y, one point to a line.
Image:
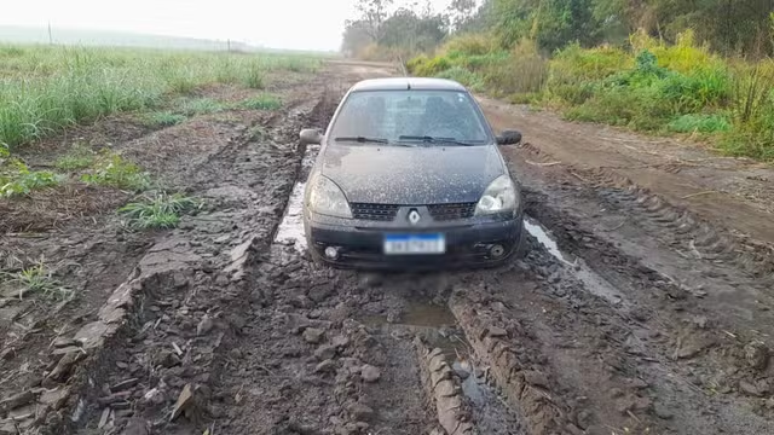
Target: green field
44	89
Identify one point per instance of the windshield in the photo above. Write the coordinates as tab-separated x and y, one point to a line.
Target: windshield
410	116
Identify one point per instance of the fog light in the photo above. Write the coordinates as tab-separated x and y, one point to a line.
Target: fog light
332	253
496	251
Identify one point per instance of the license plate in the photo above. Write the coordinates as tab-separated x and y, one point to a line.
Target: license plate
410	244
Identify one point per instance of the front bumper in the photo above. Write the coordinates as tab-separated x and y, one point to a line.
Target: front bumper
468	243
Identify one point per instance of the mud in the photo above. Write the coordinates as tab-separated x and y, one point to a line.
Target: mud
619	320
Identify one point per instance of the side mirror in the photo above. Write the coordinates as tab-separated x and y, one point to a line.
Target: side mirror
509	137
311	136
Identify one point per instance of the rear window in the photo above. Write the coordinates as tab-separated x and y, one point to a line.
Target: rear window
398	116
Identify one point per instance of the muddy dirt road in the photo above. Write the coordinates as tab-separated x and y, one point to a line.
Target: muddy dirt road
632	313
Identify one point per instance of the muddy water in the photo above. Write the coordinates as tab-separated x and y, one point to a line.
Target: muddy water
291	230
594	283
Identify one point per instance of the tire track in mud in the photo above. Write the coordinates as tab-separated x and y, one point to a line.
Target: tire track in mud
157	340
690	236
689	354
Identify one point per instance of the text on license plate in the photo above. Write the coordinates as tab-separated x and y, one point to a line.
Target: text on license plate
414	244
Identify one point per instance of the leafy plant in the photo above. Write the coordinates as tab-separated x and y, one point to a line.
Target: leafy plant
158	211
20	180
114	171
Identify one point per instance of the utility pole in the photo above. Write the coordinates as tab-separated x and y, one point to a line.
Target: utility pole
50	38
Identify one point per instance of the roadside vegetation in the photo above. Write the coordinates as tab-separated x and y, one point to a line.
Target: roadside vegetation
662	67
45	89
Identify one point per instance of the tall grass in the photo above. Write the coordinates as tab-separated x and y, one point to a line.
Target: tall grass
44	89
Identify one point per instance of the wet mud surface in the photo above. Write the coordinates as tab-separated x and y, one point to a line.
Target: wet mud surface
612	324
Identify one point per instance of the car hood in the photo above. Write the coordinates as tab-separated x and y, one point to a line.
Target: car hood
412	175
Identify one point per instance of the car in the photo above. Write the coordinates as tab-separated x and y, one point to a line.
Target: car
410	175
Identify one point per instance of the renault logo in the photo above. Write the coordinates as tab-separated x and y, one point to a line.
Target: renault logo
414	217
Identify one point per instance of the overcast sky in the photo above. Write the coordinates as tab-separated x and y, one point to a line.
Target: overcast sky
293	24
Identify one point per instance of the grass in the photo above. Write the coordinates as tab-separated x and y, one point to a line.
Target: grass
261	102
202	106
44	89
650	86
158	211
160	119
39	279
112	170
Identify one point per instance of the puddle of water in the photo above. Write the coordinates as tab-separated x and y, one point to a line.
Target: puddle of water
474	387
291	229
537	231
594	283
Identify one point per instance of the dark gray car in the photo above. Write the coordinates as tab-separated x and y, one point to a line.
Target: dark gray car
410	175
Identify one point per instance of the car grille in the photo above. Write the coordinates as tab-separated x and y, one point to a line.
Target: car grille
450	212
387	212
374	212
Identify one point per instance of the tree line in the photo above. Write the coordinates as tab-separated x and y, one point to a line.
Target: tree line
729	27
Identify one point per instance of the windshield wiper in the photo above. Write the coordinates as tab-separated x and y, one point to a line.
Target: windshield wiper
432	139
360	139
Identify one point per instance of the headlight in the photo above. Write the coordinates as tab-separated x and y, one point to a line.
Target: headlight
326	198
500	196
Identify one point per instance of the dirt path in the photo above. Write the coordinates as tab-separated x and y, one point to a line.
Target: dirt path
632	313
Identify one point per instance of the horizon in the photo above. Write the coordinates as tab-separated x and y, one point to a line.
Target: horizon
300	25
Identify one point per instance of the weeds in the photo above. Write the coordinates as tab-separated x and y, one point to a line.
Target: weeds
113	171
162	119
254	78
79	157
262	102
39	279
158	211
700	124
201	106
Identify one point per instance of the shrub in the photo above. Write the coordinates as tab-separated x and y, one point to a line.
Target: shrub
432	67
468	78
516	75
470	44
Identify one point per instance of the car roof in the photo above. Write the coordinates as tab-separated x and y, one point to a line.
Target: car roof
405	83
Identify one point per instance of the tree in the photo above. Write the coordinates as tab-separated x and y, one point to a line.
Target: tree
407	30
373	13
356	37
